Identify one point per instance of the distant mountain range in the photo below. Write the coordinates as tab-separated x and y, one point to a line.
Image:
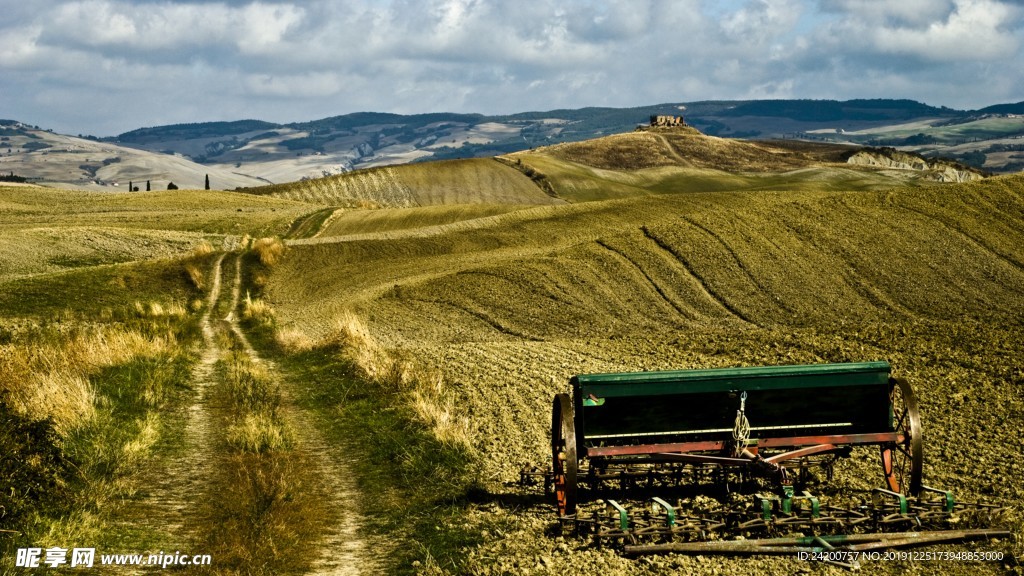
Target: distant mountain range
253	152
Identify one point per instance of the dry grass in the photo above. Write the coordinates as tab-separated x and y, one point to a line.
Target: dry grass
202	249
264	515
259	432
48	377
192	269
425	390
269	250
294	340
266	507
195	275
154	309
140	447
254	398
258	311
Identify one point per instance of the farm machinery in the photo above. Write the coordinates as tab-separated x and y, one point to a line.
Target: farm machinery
623	445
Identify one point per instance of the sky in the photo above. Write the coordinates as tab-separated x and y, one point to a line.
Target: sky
103	67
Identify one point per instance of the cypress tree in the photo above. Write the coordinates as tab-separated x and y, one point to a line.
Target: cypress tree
147	186
207	181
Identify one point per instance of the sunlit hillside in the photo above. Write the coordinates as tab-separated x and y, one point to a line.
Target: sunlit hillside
930	278
364	363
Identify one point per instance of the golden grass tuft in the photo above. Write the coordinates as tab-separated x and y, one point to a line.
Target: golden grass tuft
293	340
353	338
48	377
65	397
140	447
156	309
425	390
195	275
269	250
435	407
202	249
258	311
260	432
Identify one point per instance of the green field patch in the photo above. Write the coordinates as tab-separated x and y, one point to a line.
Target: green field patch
468	181
393	219
93	291
200	211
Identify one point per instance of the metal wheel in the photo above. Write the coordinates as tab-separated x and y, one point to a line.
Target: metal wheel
563	453
903	461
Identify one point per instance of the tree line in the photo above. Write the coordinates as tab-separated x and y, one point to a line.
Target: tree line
170	185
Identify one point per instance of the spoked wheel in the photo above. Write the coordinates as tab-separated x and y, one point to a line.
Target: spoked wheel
903	460
563	452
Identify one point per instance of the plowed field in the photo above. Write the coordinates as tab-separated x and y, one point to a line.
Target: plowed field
930	279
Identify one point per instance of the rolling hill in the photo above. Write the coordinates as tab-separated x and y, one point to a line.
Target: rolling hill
644	161
490	282
470	181
930	279
253	152
506	307
47	158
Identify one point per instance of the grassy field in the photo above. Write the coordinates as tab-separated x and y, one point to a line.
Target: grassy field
350	222
50	231
930	278
683	160
410	332
950	134
473	181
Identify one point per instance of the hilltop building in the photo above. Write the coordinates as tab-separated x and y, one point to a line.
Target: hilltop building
659	120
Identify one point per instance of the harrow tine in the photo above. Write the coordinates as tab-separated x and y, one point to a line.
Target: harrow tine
791	546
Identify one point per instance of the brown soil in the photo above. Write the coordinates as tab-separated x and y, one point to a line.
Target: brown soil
930	279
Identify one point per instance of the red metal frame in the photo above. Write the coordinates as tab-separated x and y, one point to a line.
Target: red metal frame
811	444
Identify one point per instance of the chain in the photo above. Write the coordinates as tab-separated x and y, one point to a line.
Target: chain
741	429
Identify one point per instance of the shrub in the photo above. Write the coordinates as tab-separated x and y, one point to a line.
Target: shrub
269	250
31	465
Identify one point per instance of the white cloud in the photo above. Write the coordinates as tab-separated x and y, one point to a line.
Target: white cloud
308	85
973	31
908	13
292	60
940	32
263	27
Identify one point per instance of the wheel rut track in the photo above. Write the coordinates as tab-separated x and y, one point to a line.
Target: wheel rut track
686	314
853	277
342	551
498	326
173	489
739	263
717	299
959	231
